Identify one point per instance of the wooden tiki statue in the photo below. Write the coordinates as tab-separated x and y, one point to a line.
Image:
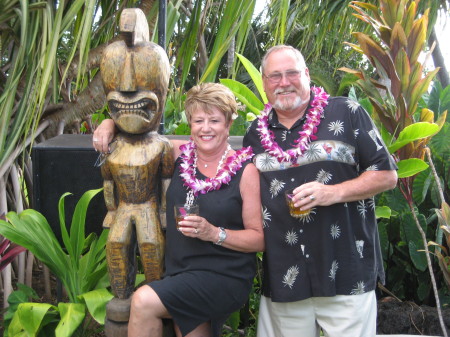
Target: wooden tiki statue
135	74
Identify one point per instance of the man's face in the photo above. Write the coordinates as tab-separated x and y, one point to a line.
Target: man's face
285	82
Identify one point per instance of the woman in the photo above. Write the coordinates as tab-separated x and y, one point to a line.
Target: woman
209	261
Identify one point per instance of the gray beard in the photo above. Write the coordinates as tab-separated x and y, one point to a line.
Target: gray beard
286	106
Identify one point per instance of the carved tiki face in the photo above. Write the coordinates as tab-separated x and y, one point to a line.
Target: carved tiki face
135	78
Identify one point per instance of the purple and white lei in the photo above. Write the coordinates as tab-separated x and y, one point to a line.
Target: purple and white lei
313	116
223	176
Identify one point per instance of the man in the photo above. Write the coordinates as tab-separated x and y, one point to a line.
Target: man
320	269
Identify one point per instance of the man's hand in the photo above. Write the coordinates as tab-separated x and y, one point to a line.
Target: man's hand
103	135
367	185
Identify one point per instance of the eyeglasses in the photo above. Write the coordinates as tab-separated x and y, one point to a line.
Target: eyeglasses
291	75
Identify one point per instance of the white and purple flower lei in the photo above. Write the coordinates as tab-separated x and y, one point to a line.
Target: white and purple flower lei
313	116
223	176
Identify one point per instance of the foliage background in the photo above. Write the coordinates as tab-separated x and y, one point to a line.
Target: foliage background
50	84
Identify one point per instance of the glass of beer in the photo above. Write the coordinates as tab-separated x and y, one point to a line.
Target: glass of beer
183	210
295	212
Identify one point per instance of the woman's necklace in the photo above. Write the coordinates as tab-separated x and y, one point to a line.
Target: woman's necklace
313	116
225	172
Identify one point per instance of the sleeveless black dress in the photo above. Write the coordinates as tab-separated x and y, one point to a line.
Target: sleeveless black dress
203	281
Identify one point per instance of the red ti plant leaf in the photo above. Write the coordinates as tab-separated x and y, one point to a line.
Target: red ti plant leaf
8	251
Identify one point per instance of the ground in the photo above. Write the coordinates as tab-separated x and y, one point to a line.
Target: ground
408	318
394	317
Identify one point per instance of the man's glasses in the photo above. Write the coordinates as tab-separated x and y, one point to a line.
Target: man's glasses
291	75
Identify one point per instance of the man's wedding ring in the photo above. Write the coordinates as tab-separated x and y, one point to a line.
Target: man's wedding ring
312	197
196	231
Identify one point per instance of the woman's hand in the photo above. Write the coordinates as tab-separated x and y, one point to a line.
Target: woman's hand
198	227
103	135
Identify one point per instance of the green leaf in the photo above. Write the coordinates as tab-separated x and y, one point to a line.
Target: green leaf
244	94
412	133
183	129
233	320
235	12
31	230
418	256
77	227
72	315
421	186
96	301
62	223
255	75
28	318
410	167
413	238
382	212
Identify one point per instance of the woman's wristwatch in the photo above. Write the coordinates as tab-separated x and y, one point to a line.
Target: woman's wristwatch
222	236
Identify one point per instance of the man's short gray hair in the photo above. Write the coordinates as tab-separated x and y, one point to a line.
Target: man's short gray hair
300	59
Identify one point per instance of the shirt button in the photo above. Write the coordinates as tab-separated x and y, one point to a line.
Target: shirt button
292	179
307	256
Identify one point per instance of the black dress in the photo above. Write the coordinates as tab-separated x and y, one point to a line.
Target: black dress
203	281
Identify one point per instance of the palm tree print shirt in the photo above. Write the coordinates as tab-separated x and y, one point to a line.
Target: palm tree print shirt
332	250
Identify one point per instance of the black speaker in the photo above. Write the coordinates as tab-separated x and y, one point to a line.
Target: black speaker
66	164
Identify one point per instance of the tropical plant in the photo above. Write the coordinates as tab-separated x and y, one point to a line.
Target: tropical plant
8	252
80	266
318	29
395	90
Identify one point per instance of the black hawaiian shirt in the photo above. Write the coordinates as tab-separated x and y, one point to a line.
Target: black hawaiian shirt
332	250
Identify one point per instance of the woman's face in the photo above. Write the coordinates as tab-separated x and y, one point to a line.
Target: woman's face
209	130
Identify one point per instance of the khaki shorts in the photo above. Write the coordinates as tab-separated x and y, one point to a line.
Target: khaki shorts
338	316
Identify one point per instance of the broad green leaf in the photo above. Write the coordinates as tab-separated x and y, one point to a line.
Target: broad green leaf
421	186
255	75
31	230
28	318
411	235
244	94
439	145
418	256
410	167
382	212
413	132
96	301
72	315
